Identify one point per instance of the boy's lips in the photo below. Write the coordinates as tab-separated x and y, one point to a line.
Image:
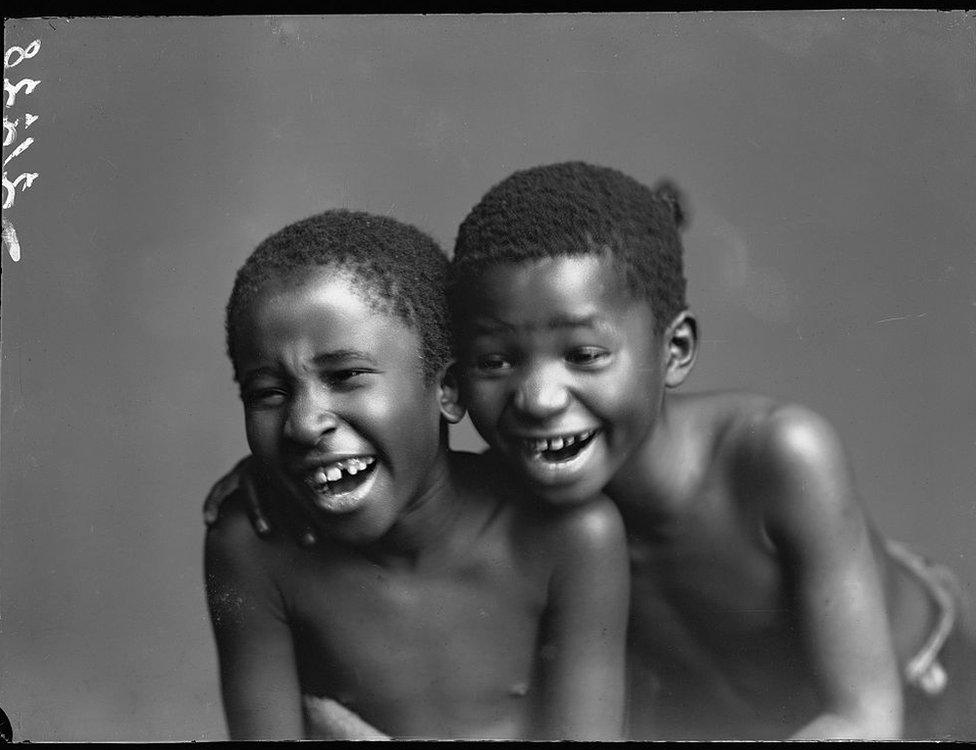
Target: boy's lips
340	484
568	443
555	457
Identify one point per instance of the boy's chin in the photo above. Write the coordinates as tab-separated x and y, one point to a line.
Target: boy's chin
355	517
576	481
355	530
576	493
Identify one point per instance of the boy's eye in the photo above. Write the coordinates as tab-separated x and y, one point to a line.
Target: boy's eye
587	356
345	377
492	363
265	397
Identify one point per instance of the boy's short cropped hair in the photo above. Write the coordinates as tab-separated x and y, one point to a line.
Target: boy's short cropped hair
574	208
402	271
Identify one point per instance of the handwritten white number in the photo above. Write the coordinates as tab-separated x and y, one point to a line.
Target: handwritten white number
11	91
10	240
32	49
10	131
10	188
19	150
13	57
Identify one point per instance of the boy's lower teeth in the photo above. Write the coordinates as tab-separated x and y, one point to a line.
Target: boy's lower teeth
563	454
557	455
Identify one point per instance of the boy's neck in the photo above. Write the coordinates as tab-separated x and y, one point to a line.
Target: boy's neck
424	524
657	482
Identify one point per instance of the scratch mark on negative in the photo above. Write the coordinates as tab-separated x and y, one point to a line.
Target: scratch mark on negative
900	317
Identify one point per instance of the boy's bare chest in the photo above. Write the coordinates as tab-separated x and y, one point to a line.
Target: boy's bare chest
445	646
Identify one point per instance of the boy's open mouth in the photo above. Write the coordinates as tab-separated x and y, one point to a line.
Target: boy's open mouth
341	485
558	449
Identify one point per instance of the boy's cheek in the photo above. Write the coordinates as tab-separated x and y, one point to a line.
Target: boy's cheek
481	401
259	427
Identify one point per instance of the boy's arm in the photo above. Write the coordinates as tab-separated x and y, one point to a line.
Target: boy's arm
326	719
583	649
258	672
801	473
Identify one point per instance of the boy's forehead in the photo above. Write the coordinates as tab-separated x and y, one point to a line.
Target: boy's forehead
323	305
344	289
571	286
303	279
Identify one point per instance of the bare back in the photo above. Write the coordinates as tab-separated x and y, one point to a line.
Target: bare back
718	647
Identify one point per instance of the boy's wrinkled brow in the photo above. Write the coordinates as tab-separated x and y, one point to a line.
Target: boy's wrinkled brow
325	359
341	355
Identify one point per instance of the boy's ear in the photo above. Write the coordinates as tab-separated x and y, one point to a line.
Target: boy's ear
681	337
451	408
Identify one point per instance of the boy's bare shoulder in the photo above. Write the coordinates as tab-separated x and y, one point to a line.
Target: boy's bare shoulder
756	427
786	436
233	539
782	452
590	529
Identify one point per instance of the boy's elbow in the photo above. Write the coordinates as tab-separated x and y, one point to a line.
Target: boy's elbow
877	717
883	717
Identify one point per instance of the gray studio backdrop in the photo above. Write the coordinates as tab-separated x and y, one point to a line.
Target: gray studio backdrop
829	159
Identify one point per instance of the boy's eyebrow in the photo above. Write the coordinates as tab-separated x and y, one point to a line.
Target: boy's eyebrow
323	359
340	355
488	324
575	321
250	374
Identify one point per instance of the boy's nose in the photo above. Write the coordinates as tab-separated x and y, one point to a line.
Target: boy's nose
540	396
309	418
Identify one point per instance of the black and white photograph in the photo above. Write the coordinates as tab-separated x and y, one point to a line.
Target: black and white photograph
489	376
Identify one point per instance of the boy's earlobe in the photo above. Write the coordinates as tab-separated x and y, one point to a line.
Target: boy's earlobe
451	408
682	342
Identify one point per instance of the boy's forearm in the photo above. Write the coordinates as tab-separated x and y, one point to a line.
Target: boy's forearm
326	719
874	725
583	670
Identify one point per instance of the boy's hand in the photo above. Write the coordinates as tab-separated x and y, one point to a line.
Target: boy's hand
326	719
244	476
238	477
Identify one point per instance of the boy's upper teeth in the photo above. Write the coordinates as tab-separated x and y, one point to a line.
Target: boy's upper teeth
333	472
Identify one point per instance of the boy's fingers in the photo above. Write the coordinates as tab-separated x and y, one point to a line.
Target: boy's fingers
261	526
258	520
251	485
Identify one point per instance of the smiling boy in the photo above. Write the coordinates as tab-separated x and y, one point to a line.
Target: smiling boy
441	602
764	604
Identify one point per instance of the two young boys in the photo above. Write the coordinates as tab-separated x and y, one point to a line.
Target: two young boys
441	602
763	603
